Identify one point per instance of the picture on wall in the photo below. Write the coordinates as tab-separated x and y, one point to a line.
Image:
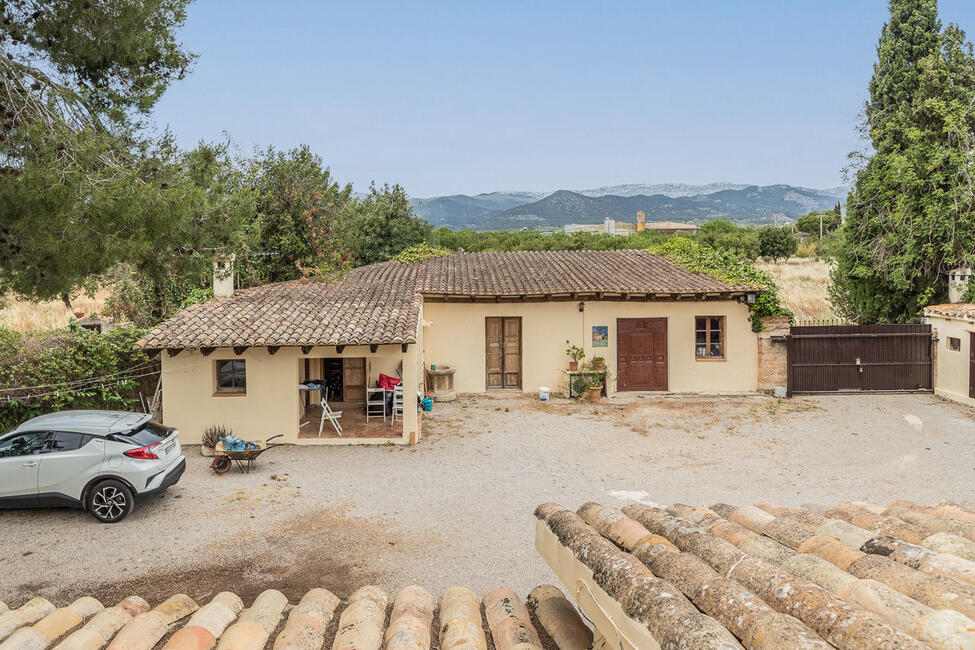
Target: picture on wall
600	336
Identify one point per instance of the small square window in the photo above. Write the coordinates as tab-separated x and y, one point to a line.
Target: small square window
954	344
709	338
231	376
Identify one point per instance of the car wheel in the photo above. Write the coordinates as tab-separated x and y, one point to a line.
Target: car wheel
110	501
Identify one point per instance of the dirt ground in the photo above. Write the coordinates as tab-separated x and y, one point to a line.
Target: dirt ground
457	508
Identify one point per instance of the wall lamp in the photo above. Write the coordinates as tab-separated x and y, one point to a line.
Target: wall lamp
582	306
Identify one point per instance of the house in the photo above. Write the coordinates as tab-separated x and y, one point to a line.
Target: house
256	360
954	326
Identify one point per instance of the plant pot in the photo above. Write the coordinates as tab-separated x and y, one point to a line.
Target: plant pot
598	365
594	393
209	452
573	365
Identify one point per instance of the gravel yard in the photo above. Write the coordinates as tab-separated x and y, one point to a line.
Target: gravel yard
457	509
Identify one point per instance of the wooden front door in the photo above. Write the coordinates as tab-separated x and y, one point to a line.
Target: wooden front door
641	353
503	352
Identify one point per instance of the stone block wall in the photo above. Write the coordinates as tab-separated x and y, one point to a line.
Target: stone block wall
772	370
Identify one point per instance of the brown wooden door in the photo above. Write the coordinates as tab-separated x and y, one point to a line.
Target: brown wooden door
641	353
503	352
354	379
971	365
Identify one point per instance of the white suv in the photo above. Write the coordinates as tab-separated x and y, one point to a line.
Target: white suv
101	461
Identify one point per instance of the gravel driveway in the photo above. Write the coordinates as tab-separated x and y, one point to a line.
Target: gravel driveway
457	509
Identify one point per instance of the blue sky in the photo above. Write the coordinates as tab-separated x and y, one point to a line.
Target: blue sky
471	96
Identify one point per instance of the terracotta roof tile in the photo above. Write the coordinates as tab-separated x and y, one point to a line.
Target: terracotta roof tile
953	310
381	303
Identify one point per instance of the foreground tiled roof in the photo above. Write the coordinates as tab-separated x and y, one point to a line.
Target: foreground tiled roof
370	305
766	576
366	620
953	310
535	273
380	303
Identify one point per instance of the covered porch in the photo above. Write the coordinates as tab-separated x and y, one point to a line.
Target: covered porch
350	380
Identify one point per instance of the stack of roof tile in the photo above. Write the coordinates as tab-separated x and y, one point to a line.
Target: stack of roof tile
366	621
775	577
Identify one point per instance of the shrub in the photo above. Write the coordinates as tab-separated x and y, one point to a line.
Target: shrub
213	433
729	268
74	368
420	252
777	243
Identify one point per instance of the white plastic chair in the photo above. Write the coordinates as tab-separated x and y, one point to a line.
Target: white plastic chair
330	415
375	408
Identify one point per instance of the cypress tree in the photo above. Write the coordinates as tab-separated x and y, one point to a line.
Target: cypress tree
910	212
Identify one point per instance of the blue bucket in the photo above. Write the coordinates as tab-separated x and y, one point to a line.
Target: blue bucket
427	404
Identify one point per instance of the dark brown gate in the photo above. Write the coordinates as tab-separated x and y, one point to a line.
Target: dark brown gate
852	358
641	353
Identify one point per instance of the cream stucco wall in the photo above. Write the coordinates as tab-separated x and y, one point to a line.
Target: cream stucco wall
952	368
455	335
272	404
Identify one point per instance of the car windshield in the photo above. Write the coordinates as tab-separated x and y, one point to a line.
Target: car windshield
148	433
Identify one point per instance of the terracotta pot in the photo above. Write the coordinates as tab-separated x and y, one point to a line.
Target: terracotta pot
598	365
595	392
573	365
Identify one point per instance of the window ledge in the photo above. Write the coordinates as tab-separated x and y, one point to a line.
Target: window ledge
230	393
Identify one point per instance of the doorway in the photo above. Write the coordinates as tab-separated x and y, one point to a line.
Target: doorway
503	352
641	353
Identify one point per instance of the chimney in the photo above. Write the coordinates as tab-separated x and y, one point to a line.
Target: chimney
958	283
223	276
609	226
641	221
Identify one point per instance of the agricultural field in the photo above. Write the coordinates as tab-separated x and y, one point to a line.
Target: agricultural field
803	285
24	315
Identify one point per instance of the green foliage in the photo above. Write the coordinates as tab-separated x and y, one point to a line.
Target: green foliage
729	268
909	214
484	240
298	206
575	353
72	369
419	252
721	234
382	224
777	243
810	222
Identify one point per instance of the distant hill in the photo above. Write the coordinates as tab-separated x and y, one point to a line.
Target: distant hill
750	204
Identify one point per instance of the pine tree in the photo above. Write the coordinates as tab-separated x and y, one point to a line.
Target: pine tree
910	212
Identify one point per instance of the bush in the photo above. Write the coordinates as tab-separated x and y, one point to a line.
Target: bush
420	252
71	369
213	433
729	268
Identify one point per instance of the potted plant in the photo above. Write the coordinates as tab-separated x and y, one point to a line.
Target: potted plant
598	363
591	389
575	353
211	435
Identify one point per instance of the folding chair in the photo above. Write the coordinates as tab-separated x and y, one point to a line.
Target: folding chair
375	408
330	415
397	402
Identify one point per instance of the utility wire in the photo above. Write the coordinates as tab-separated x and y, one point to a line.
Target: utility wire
116	382
75	382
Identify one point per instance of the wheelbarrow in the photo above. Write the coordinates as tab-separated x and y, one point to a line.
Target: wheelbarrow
244	458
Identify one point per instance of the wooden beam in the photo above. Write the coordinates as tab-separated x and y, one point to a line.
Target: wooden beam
339	348
271	349
305	349
374	347
239	349
173	351
207	351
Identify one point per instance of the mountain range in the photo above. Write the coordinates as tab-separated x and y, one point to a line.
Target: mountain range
750	204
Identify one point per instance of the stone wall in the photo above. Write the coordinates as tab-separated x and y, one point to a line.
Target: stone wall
772	370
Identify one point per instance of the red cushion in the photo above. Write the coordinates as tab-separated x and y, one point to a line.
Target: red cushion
387	382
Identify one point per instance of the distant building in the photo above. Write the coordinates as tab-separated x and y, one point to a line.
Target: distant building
97	323
672	227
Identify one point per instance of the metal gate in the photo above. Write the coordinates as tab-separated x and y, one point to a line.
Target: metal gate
853	358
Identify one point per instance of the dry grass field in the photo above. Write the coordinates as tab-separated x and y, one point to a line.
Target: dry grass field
23	315
803	284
